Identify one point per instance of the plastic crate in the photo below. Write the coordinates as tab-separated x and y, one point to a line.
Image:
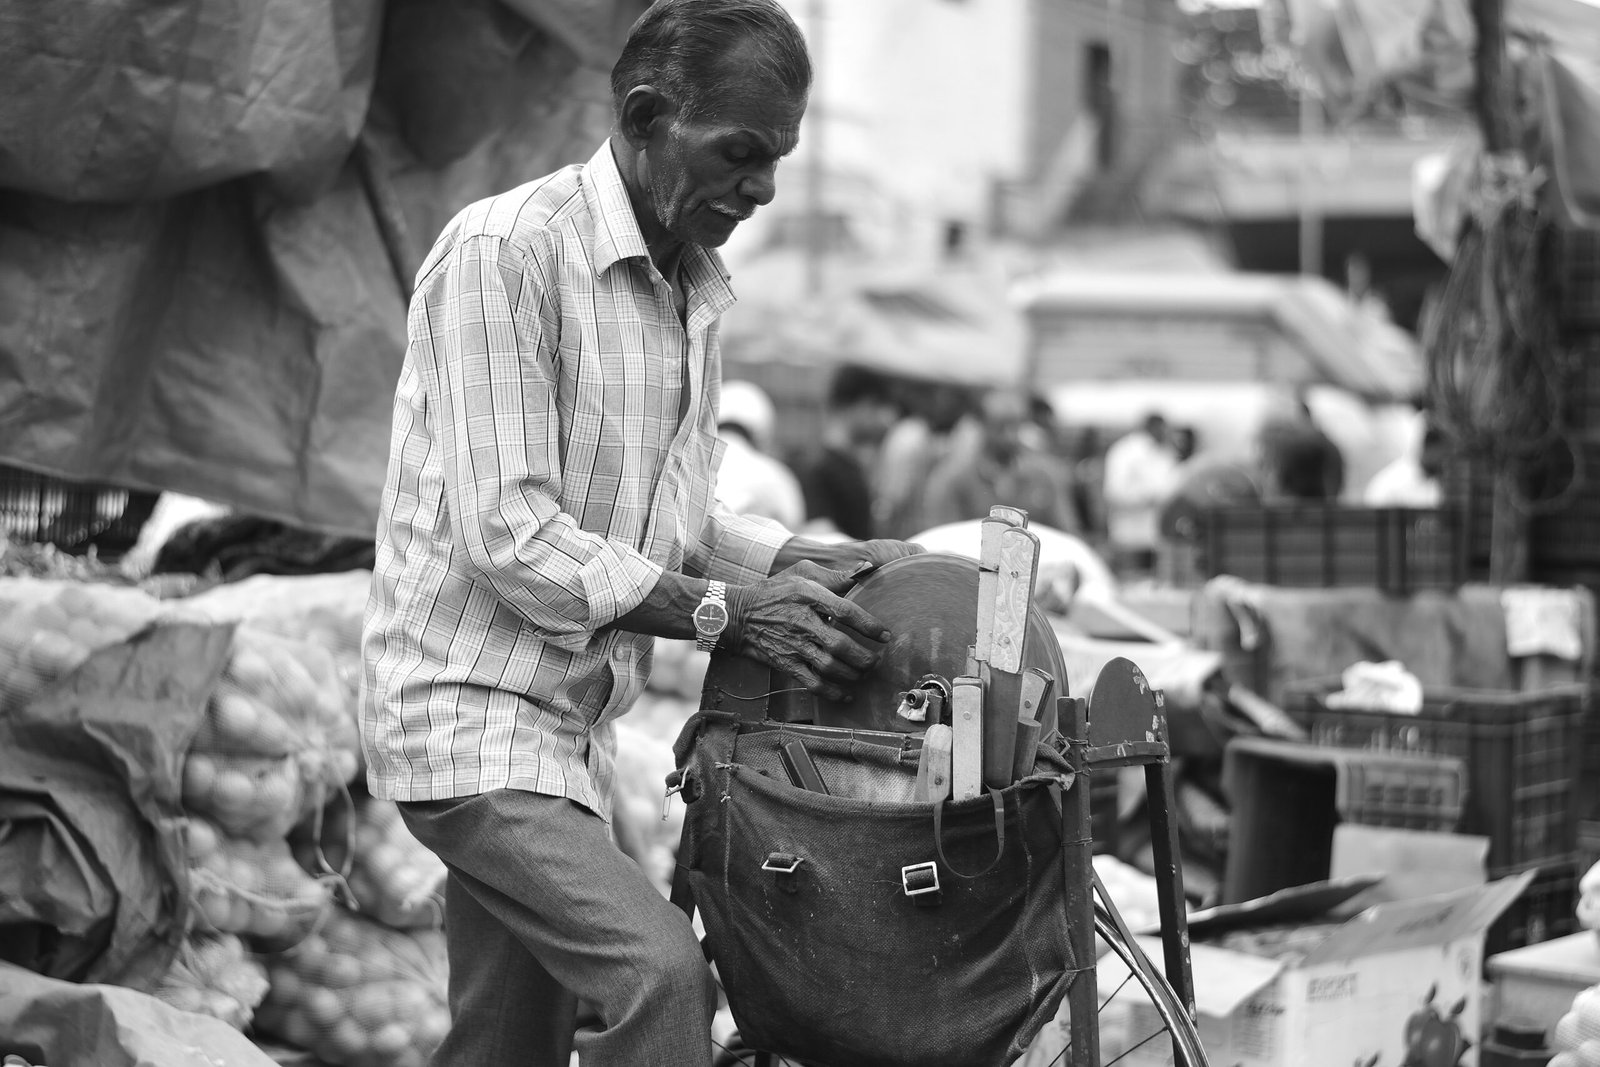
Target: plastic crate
1393	549
1286	797
73	516
1577	276
1588	844
1521	752
1568	536
1547	909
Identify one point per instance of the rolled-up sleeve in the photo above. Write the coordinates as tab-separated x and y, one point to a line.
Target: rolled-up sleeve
738	549
487	354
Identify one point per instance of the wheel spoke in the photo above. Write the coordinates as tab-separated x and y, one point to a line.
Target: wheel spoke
1131	1049
1120	987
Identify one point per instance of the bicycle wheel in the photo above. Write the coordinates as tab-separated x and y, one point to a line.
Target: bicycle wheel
1142	1022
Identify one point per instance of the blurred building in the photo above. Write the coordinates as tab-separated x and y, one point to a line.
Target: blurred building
1152	111
940	126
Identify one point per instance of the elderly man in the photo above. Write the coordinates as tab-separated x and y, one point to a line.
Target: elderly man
548	511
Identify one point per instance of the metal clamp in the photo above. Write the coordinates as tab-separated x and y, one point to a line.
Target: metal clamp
783	865
925	703
921	883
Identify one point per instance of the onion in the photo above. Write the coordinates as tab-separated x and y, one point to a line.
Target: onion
372	1005
322	1006
217	908
347	1040
203	840
233	791
199	777
390	1041
237	719
342	971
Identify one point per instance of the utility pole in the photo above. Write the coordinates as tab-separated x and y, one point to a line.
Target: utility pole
1311	126
815	247
1508	525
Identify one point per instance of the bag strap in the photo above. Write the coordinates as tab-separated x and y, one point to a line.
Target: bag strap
999	798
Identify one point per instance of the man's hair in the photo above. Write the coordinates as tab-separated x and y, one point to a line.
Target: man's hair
857	385
680	47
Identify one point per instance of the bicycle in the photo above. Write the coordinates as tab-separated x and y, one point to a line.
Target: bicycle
1123	724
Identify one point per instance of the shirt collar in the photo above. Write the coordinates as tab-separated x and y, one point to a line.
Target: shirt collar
617	233
616	230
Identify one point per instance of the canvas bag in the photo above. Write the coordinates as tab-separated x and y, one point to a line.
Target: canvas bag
833	961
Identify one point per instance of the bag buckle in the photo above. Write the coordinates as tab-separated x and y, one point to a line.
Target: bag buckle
921	883
783	865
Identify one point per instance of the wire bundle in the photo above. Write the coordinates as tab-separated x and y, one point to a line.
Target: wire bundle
1498	376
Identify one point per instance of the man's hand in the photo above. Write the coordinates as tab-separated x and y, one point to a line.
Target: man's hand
843	556
797	622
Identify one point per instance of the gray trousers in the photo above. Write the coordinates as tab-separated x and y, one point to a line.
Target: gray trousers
541	910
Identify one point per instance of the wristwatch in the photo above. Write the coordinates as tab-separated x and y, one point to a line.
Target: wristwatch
711	616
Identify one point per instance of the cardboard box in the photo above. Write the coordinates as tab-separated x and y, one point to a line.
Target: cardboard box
1398	983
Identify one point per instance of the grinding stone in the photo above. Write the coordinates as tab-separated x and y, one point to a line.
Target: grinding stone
929	602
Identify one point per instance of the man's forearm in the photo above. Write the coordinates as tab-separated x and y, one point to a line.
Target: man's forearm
798	549
668	609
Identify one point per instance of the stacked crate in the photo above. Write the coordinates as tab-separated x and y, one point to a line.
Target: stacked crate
1522	755
1398	550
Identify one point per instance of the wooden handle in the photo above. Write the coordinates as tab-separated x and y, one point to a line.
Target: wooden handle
933	764
966	752
1027	748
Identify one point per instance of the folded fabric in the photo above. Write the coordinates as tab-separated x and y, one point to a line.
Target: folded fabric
1543	622
1386	686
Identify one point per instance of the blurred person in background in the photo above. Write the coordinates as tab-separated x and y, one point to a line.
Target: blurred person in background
835	475
1298	462
1088	484
1204	482
1184	442
937	422
1042	430
1005	469
1414	479
750	480
1140	474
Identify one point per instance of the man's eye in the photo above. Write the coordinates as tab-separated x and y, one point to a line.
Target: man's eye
739	155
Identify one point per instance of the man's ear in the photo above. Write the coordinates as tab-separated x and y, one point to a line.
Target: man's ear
645	113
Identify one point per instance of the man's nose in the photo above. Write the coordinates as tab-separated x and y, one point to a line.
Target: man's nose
761	184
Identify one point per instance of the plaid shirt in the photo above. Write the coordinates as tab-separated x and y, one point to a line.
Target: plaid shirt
554	450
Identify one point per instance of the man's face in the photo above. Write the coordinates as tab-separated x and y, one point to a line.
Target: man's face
708	174
1003	416
870	421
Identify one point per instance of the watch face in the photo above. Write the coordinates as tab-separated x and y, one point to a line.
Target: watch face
710	617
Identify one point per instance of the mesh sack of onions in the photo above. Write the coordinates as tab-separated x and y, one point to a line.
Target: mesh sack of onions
48	628
278	738
215	975
360	994
254	889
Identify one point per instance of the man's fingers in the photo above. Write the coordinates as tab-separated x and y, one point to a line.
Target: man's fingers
844	613
813	681
855	656
851	616
836	582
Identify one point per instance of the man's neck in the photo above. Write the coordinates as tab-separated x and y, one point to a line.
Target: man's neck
666	251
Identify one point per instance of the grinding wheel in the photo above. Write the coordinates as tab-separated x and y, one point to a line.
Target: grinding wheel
930	603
